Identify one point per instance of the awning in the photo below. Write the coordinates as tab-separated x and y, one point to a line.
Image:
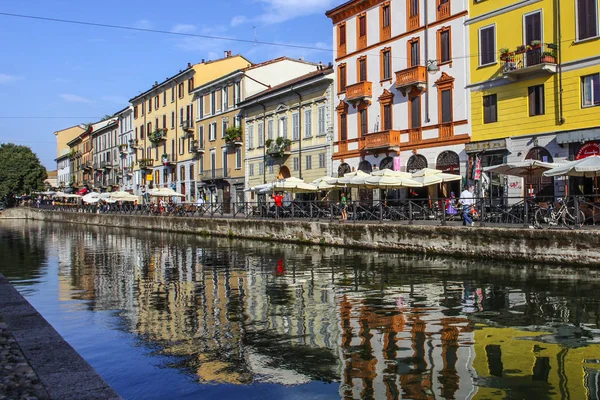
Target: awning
487	146
578	136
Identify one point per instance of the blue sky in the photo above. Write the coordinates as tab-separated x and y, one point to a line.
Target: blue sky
51	69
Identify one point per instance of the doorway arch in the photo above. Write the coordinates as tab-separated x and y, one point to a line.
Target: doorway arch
343	169
449	163
387	163
540	185
284	172
365	166
416	163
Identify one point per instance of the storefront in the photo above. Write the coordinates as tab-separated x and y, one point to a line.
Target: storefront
581	144
486	154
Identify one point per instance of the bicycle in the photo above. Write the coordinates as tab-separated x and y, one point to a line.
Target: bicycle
551	215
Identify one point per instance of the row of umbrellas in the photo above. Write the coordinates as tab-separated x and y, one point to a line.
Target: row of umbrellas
380	179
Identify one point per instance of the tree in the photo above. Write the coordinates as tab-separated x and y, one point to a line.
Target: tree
20	170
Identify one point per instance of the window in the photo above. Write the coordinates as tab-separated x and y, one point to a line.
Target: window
172	119
142	132
322	121
190	84
271	166
590	90
143	107
587	19
181	145
172	94
261	169
250	136
156	102
251	170
308	162
270	129
414	52
386	64
444	45
225	163
385	15
135	112
446	105
387	117
213	102
180	116
296	126
224	126
201	136
362	69
164	118
487	45
413	8
261	134
362	26
490	109
201	107
282	129
180	90
225	99
212	131
322	160
536	100
362	115
342	35
238	93
149	127
342	78
296	164
164	98
415	112
201	165
343	127
149	106
308	123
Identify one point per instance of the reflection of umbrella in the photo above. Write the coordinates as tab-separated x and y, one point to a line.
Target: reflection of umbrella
91	198
587	167
164	192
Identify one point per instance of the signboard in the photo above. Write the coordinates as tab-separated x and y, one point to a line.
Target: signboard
397	163
490	145
588	149
149	177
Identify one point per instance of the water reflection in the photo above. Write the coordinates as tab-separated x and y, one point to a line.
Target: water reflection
377	325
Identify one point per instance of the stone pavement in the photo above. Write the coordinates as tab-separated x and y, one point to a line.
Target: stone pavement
36	362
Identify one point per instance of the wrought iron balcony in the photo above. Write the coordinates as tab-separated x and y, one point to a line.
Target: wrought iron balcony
106	165
87	165
146	163
383	140
411	77
359	91
213	174
197	147
157	135
133	143
529	60
188	126
279	150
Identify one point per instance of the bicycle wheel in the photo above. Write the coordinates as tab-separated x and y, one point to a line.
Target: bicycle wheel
570	220
542	218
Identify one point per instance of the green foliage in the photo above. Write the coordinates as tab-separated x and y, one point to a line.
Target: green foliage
269	142
20	170
233	134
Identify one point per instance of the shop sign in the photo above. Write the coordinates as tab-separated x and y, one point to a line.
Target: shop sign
588	149
149	177
490	145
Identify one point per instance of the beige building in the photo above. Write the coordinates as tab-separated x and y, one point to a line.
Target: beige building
289	129
63	156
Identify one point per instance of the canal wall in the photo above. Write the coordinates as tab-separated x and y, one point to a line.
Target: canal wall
558	247
62	372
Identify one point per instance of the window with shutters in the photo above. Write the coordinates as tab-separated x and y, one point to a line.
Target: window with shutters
224	99
261	169
143	106
261	134
213	102
201	136
270	129
200	107
164	118
308	162
156	102
189	114
180	116
536	99
224	126
386	64
250	136
587	19
363	121
308	123
149	106
296	126
173	119
414	52
362	69
361	31
387	117
415	112
282	130
322	121
251	170
172	94
446	105
490	109
444	45
135	112
142	132
181	145
180	89
322	160
212	131
224	153
296	164
590	90
164	98
341	40
342	78
343	127
385	20
190	84
487	45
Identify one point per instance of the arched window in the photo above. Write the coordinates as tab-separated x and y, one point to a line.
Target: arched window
365	166
539	185
343	169
416	163
387	163
448	162
284	172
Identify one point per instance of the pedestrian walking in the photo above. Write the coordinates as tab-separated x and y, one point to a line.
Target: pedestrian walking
467	201
344	204
278	200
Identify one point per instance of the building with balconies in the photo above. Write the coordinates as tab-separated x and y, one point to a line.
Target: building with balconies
535	89
401	69
63	153
106	153
127	181
81	158
164	123
288	129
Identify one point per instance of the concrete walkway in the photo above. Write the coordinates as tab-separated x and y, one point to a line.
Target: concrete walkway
35	361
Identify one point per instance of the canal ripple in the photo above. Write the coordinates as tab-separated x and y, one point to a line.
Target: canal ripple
162	315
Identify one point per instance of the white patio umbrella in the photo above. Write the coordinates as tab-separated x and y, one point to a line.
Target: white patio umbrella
123	196
522	168
164	192
586	167
91	198
294	185
391	182
355	179
429	176
389	172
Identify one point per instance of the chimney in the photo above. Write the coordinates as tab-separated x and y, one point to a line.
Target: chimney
155	83
228	53
189	65
203	61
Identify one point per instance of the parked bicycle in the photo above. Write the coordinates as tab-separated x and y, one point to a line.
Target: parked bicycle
558	214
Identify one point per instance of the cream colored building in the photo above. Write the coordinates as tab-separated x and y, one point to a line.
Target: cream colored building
288	129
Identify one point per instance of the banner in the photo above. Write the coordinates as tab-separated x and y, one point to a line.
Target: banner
477	169
588	149
397	163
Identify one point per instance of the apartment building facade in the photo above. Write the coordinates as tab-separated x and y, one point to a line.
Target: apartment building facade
106	165
63	153
125	143
164	126
401	69
221	150
289	130
535	89
81	159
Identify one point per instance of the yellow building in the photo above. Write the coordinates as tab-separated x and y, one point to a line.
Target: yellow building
164	127
63	156
81	159
535	85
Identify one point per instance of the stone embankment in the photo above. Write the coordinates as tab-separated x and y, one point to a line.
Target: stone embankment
35	361
559	247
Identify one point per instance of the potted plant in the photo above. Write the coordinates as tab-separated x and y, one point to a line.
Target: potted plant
505	54
233	134
521	49
535	44
165	159
549	57
268	143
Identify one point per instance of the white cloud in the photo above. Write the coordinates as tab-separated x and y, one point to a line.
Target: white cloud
143	24
5	79
73	98
277	11
183	28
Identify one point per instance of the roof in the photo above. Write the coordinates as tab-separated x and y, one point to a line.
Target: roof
122	111
82	126
275	60
291	82
217	80
99	126
52	174
183	72
333	10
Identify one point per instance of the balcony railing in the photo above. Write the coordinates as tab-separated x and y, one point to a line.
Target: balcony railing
279	150
106	165
212	174
133	143
87	165
359	91
157	135
415	135
529	59
146	163
443	10
413	22
382	140
446	131
411	77
123	149
188	126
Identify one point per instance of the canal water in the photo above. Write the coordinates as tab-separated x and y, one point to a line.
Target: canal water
167	316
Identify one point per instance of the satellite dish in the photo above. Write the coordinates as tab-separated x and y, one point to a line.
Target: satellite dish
432	66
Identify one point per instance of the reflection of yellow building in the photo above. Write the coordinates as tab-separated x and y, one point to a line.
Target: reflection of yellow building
512	363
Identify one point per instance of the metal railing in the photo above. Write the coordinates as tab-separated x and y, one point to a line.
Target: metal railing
485	211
